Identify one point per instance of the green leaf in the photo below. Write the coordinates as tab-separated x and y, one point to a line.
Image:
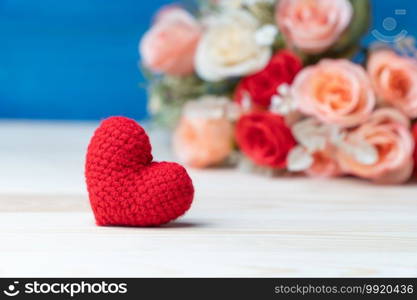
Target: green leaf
358	27
168	94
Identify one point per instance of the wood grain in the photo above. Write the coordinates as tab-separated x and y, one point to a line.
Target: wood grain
240	225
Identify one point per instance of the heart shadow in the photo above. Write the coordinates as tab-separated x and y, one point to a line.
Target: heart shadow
184	224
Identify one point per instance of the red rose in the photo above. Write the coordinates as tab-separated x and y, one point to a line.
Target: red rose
265	138
261	86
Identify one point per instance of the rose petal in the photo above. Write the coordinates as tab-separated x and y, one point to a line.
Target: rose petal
299	160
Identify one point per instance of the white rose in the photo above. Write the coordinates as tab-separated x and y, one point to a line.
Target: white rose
228	48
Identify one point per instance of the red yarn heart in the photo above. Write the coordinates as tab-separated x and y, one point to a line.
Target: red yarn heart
125	186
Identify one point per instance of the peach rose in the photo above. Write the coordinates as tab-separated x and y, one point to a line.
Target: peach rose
204	136
169	46
395	80
388	133
334	91
313	26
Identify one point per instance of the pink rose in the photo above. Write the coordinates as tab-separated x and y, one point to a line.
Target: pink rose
313	25
395	80
391	160
169	46
334	91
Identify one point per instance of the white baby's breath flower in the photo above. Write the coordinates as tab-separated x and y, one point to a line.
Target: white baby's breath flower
299	159
228	48
246	101
265	36
312	136
284	89
362	151
282	103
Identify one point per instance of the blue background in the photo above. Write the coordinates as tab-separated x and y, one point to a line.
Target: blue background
62	59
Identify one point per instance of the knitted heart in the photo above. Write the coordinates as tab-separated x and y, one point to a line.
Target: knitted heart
125	186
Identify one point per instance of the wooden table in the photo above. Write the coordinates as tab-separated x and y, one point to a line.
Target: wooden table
240	224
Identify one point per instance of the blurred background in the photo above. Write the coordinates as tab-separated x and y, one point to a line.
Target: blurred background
78	59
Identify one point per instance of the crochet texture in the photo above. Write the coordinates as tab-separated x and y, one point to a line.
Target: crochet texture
125	186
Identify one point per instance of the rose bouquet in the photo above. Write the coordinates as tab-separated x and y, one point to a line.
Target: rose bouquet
283	85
